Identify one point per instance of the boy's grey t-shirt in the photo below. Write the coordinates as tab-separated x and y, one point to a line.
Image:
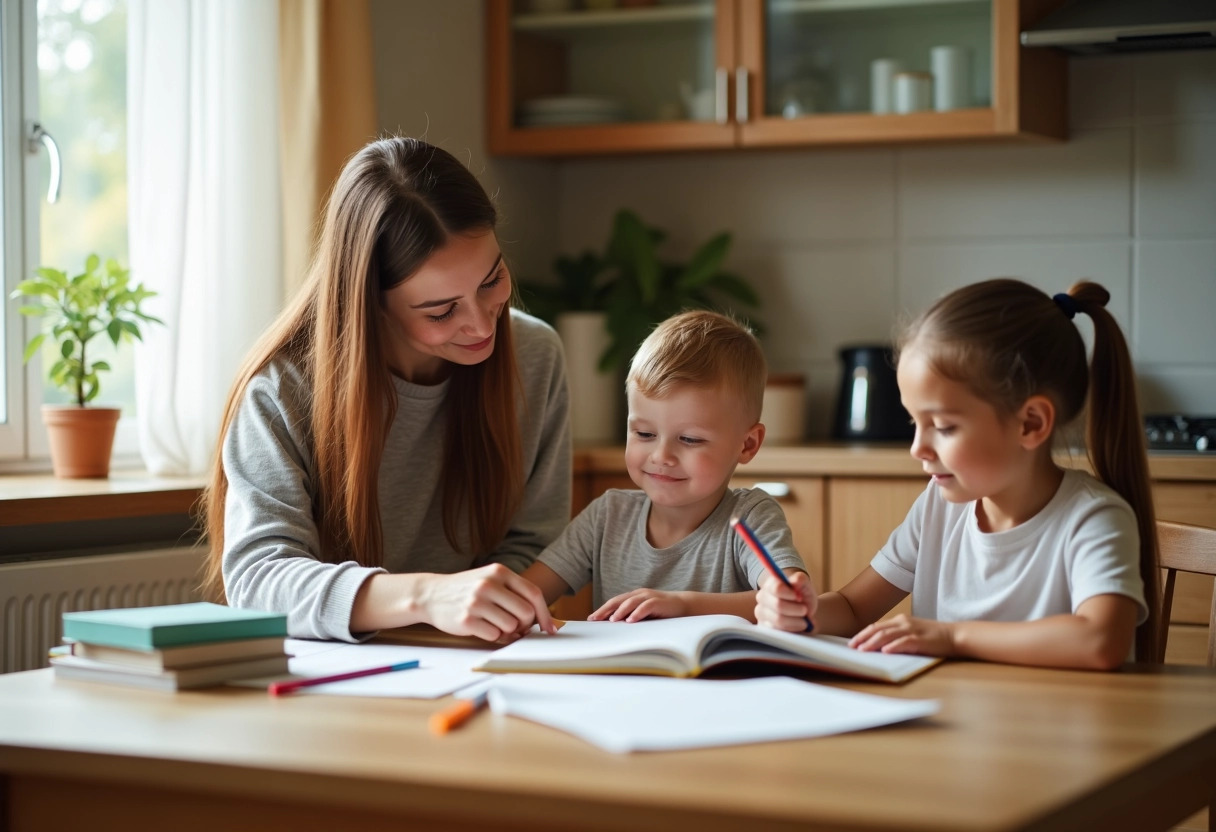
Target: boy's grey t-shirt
606	545
271	544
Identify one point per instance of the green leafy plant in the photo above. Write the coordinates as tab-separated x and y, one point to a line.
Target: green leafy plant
77	309
581	287
645	289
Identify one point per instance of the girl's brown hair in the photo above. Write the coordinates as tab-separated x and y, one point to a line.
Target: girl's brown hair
1007	341
395	204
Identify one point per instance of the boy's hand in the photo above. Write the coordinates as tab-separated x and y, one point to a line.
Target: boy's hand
905	634
640	604
785	608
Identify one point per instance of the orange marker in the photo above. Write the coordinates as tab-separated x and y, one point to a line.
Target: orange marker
458	714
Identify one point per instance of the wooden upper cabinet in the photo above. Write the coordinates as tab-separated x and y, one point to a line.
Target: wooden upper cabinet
568	78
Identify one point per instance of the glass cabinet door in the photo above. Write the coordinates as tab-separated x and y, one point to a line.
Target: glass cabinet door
612	71
876	56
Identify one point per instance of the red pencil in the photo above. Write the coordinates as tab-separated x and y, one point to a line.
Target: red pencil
279	688
753	542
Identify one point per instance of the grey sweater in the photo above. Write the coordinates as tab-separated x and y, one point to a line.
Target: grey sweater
271	542
606	545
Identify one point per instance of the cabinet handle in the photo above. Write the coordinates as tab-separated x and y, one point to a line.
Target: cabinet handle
721	105
741	94
774	489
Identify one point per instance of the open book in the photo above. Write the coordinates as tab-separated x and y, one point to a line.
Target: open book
688	647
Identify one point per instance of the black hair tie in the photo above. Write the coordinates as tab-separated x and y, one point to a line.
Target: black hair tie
1068	304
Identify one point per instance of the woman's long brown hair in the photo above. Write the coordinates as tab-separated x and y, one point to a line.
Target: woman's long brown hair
395	204
1007	341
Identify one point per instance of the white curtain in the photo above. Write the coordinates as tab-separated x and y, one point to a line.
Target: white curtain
204	203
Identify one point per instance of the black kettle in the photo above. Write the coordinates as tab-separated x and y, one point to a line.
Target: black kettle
868	408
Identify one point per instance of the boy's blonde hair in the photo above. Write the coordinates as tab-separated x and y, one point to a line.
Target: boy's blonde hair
701	349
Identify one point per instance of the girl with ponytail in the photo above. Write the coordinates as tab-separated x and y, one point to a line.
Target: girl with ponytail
1007	556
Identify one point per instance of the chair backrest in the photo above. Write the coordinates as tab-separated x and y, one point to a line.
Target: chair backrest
1187	549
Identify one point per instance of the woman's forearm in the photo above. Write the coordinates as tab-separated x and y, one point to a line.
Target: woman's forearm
386	601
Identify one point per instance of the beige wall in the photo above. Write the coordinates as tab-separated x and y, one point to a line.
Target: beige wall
430	79
841	243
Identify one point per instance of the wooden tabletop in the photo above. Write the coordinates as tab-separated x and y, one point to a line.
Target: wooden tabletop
1012	748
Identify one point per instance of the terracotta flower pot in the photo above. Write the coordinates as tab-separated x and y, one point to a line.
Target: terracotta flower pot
81	439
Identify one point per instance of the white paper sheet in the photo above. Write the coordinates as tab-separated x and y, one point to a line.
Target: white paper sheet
622	714
441	670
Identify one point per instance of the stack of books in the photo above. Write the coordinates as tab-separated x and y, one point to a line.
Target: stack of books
171	647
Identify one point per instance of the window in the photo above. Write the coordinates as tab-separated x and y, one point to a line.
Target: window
64	69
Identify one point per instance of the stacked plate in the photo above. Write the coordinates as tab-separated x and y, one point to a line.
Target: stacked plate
569	109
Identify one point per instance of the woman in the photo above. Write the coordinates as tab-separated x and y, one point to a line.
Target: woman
396	448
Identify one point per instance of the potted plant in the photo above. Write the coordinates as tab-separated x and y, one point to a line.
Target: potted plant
577	307
603	306
75	310
646	289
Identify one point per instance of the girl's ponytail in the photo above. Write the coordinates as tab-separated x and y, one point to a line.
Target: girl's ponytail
1114	435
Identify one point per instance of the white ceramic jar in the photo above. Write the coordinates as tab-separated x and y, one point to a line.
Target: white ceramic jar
882	84
913	92
784	411
951	77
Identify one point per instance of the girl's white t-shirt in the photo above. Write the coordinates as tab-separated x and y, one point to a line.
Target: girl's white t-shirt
1083	543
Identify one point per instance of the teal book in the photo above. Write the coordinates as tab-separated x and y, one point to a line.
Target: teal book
150	628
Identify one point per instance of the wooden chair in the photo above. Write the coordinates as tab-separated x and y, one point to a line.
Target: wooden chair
1189	549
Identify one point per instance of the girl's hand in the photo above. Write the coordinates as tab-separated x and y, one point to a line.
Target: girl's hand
786	608
640	604
491	603
905	634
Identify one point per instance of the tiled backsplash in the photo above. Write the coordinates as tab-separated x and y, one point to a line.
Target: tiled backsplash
843	243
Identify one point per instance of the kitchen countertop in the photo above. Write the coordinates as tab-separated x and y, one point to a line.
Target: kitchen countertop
881	460
30	499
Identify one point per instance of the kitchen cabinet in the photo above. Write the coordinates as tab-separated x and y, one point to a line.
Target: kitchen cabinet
676	75
862	513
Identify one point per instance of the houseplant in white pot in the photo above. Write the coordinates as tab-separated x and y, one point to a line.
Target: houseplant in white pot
575	306
76	309
647	288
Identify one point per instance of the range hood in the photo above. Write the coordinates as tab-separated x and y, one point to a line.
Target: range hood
1099	27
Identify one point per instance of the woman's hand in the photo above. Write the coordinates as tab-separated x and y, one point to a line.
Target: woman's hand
786	607
640	604
905	634
491	603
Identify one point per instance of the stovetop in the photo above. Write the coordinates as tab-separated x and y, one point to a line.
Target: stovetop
1177	432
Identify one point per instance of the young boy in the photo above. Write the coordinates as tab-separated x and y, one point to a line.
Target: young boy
695	388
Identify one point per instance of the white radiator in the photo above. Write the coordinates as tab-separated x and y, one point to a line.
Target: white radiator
34	596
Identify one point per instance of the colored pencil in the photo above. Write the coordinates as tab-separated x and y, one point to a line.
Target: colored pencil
280	688
753	542
458	714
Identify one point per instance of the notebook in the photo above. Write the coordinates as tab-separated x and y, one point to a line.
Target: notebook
188	655
688	647
86	670
149	628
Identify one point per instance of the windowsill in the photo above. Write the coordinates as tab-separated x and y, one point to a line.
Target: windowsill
27	499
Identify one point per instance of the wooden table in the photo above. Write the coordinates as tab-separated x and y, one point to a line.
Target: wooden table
1012	748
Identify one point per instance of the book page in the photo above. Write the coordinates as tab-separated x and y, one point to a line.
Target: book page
762	643
622	713
581	640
